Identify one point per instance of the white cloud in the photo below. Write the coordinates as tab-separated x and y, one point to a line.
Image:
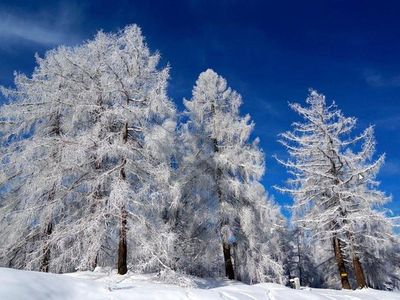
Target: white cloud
42	29
376	79
390	122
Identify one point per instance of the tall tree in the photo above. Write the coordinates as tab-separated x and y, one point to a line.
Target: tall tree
333	185
128	137
372	242
222	170
36	140
122	124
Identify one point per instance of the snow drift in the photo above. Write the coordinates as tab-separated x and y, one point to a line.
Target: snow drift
98	285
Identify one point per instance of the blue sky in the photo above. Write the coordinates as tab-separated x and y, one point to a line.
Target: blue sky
271	52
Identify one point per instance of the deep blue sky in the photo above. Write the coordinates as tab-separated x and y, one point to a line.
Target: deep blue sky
269	51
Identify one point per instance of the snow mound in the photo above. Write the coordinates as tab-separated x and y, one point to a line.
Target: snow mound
106	284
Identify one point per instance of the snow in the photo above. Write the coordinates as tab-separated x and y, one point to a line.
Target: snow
100	284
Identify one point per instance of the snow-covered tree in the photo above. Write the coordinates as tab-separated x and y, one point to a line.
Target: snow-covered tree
333	184
121	124
369	231
130	126
259	252
219	192
300	258
36	141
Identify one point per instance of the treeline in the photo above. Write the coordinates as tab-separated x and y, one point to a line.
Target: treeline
98	168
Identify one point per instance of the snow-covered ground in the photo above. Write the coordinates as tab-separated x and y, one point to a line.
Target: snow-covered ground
99	285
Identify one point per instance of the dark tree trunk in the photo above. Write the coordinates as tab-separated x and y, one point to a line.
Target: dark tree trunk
94	264
46	252
122	247
359	273
300	258
229	272
357	267
125	133
337	248
344	277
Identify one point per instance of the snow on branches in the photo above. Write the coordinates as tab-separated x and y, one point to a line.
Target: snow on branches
96	169
334	187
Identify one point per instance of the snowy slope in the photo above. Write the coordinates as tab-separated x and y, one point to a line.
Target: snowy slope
16	285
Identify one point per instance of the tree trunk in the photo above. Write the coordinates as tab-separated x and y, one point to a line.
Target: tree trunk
359	272
344	277
122	247
229	272
94	263
46	252
357	267
300	258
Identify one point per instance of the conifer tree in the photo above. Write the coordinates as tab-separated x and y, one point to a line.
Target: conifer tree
333	185
36	142
103	105
221	181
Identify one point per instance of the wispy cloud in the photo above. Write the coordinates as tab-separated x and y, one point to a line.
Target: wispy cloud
391	168
376	79
264	106
38	28
269	108
390	122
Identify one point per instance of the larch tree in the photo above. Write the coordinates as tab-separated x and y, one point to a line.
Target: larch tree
313	147
192	215
127	125
112	103
259	251
333	185
36	142
370	232
221	169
